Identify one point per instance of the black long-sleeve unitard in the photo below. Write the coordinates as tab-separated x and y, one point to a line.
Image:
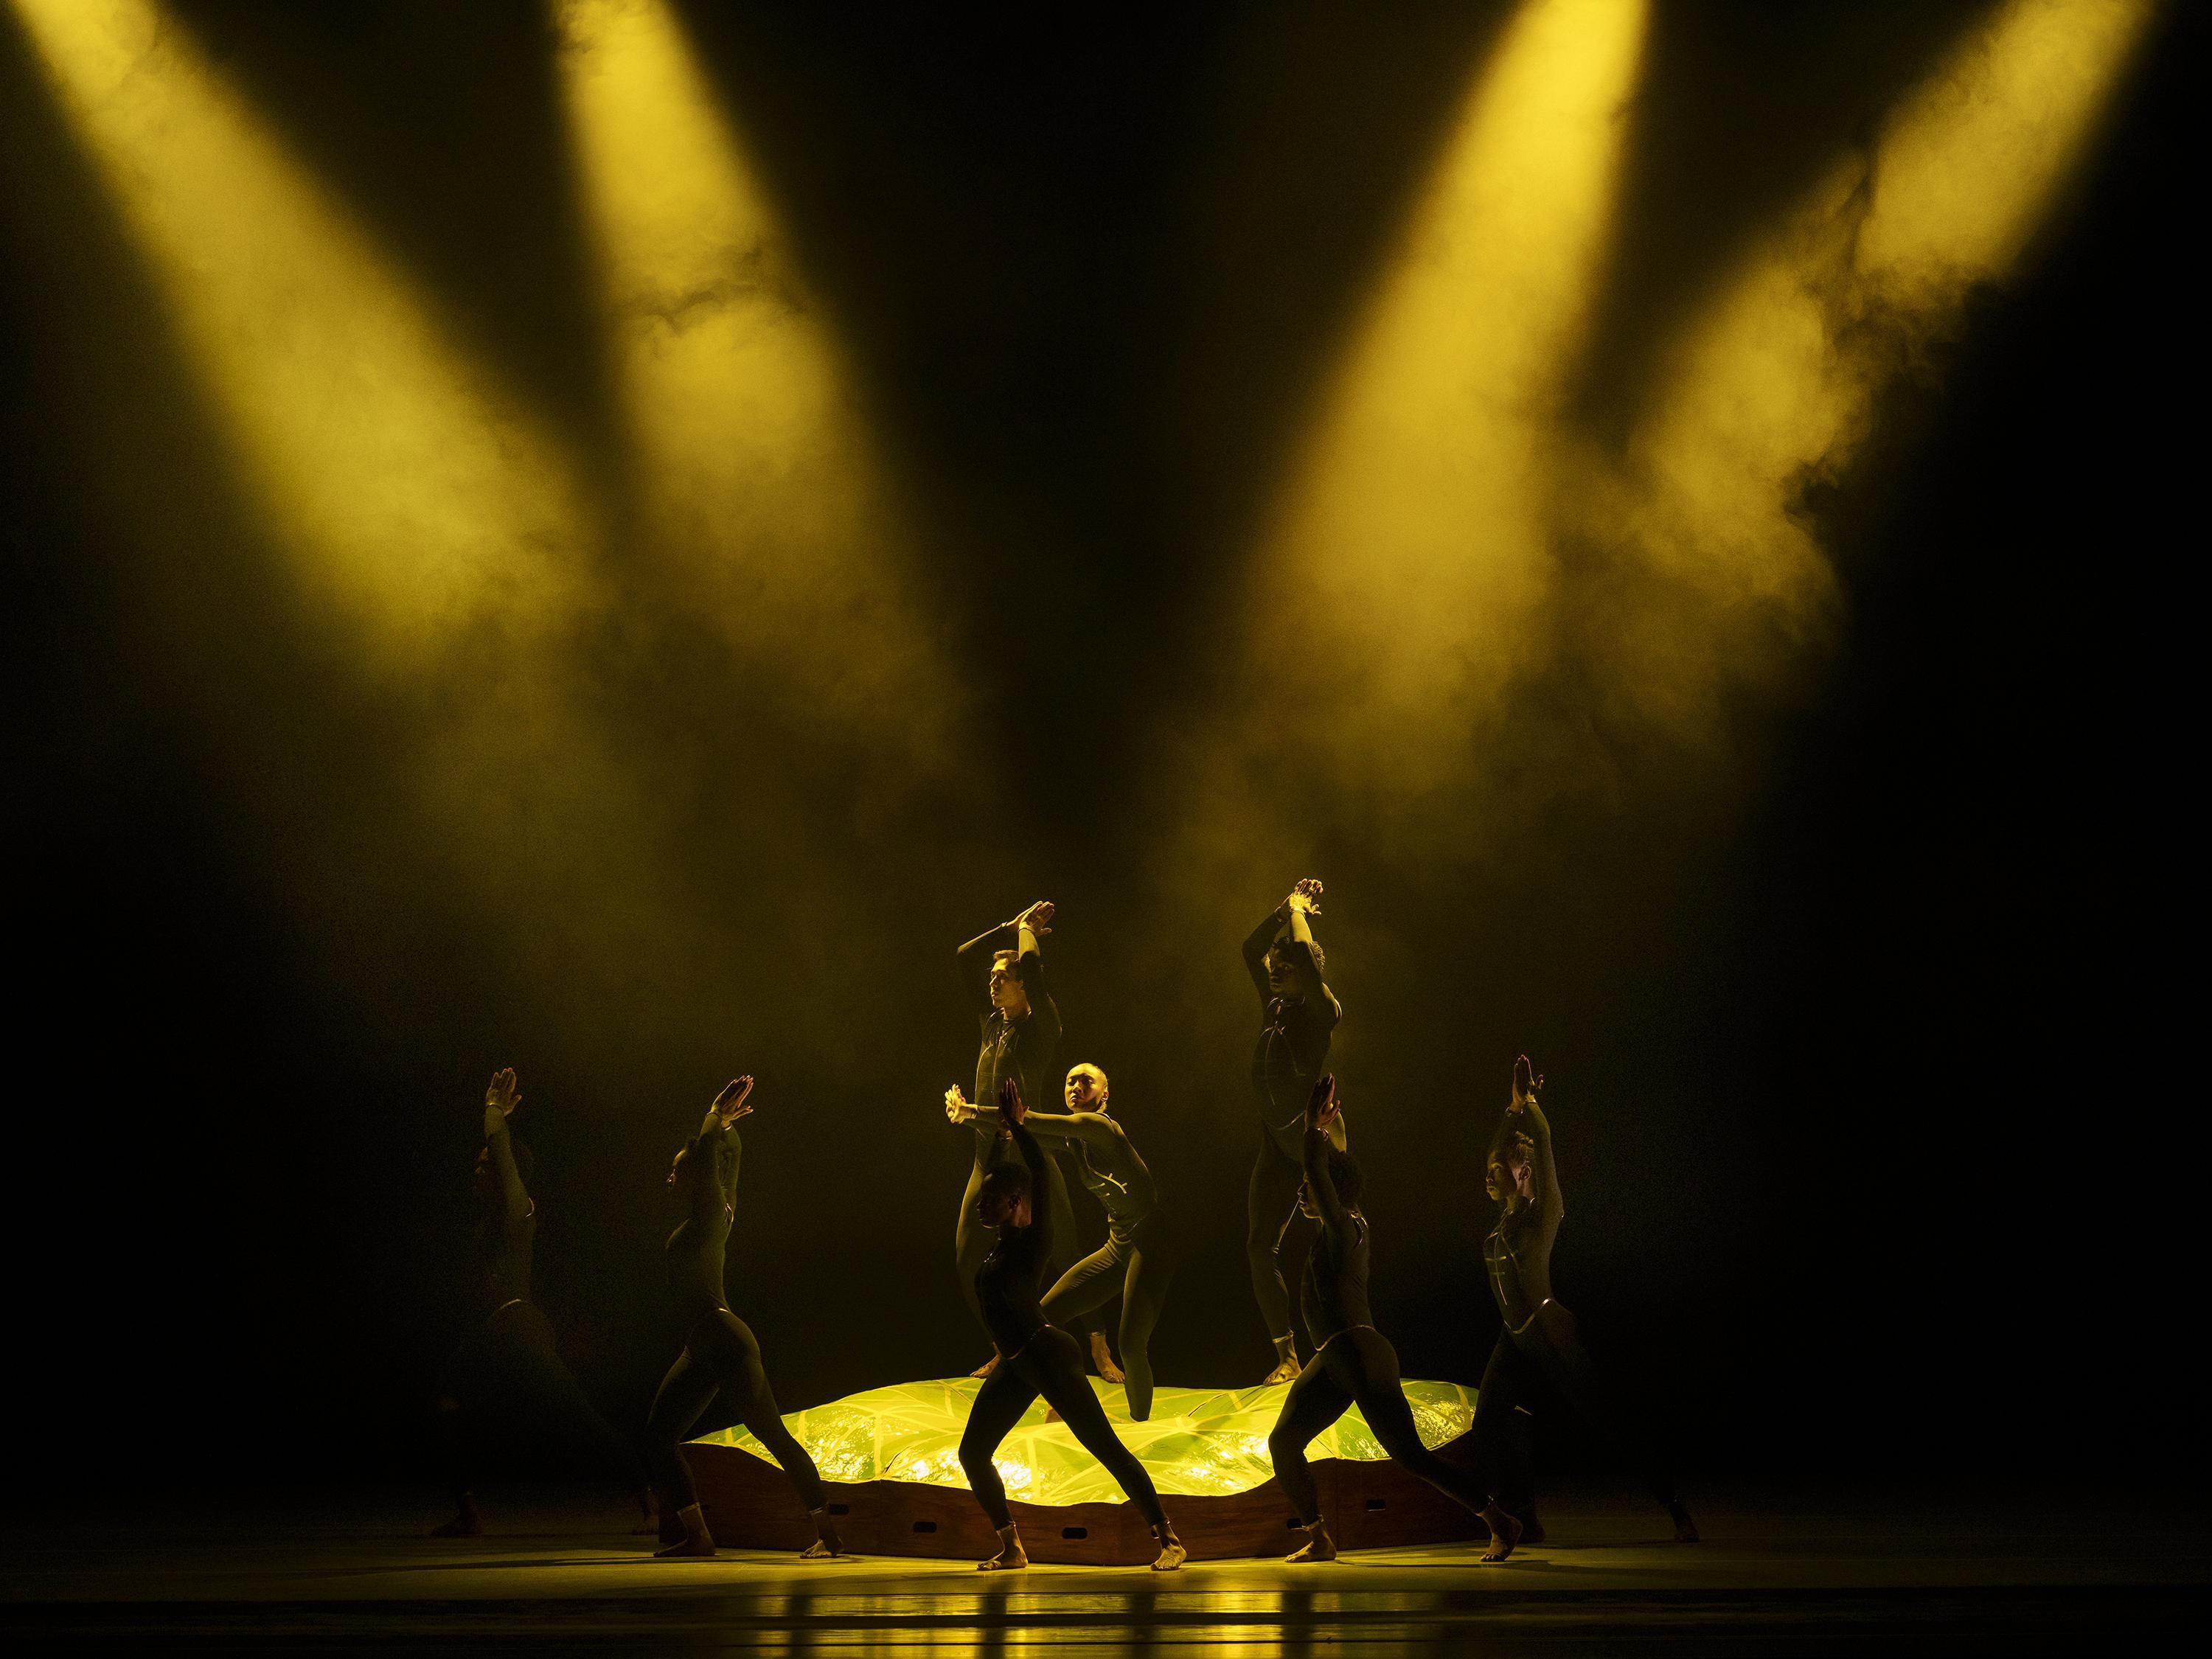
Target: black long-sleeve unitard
1540	1342
1353	1363
1296	1029
506	1384
1138	1257
1025	1048
1035	1357
720	1351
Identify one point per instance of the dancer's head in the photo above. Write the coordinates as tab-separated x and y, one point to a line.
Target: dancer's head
683	1170
1507	1177
1343	1174
1087	1089
1003	1199
1282	967
1008	994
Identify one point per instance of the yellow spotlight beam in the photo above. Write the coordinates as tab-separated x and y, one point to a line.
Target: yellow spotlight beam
1394	580
1774	385
761	483
409	492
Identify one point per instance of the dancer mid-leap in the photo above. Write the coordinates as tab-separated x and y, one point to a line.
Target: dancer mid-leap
1037	1357
1353	1363
507	1368
1138	1257
719	1352
1020	1035
1298	1015
1540	1342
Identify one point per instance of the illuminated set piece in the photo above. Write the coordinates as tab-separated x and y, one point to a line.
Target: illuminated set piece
891	1459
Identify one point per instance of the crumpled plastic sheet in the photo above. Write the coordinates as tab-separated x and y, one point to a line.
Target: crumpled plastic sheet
1197	1442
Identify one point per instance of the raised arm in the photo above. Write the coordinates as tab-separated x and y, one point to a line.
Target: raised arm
1321	1110
1256	950
1012	1116
1523	1116
502	1097
717	1143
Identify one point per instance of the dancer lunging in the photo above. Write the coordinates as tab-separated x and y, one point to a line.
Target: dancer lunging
1020	1037
507	1372
1037	1357
1540	1342
719	1352
1138	1257
1298	1014
1353	1363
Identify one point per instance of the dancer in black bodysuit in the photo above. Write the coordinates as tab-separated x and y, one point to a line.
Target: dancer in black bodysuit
1020	1038
1139	1258
1298	1014
507	1368
1353	1363
1039	1359
1540	1343
720	1353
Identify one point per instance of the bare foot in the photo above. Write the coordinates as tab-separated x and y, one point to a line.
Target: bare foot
1005	1561
1285	1371
1172	1553
648	1510
986	1367
1504	1533
1686	1530
1318	1546
686	1547
1102	1357
821	1549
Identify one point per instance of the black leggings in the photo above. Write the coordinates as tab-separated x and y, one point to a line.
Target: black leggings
972	1239
1142	1268
1049	1363
1549	1350
1271	1213
1357	1367
506	1384
720	1355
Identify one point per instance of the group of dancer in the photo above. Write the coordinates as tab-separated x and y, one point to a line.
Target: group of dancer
1035	1297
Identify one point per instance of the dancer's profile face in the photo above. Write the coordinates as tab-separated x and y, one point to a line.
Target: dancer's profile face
677	1170
996	1206
1282	978
1307	1208
1008	994
1086	1091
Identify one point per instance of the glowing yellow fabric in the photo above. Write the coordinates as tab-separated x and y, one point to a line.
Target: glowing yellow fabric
1199	1442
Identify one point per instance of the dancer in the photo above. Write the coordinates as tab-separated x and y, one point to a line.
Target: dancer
1020	1034
1353	1363
1138	1257
719	1352
1540	1343
1038	1357
1298	1014
507	1369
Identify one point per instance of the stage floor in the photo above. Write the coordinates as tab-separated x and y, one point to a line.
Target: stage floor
1924	1581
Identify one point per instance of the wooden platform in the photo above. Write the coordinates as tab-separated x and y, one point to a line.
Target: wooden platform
750	1504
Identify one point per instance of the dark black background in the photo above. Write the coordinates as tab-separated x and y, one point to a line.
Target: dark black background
1869	1034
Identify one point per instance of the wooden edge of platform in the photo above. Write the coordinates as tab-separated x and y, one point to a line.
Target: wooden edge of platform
748	1503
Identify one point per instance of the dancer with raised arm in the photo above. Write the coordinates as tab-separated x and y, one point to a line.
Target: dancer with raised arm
1035	1357
1298	1014
1353	1363
1138	1257
1540	1341
1020	1037
720	1353
507	1371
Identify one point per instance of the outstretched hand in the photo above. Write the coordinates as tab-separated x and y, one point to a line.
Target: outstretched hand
1322	1106
957	1108
1036	918
503	1092
1526	1082
730	1104
1012	1106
